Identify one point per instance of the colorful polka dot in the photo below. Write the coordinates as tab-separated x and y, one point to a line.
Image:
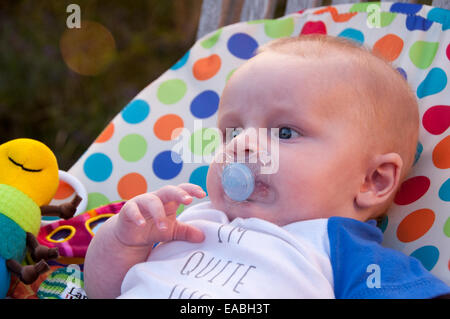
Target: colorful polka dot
447	52
198	177
206	68
204	141
242	46
171	91
212	40
312	27
441	154
352	34
441	16
136	111
167	165
435	82
106	135
98	167
205	104
279	28
390	46
402	72
64	190
180	63
447	227
436	119
168	127
444	191
132	147
419	150
408	8
96	200
422	53
428	256
131	185
412	189
418	23
415	225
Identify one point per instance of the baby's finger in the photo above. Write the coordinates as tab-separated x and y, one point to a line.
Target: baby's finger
186	232
131	213
151	207
171	193
193	189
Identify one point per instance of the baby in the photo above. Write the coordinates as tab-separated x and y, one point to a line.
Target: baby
347	135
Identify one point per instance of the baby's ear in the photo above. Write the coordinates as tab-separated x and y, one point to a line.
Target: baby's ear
381	181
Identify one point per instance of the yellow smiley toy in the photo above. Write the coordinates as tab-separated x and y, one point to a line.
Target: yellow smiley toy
28	182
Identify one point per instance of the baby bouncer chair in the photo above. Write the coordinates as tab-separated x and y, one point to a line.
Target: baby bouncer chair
139	151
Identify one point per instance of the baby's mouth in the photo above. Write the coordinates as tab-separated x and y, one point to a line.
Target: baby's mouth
262	193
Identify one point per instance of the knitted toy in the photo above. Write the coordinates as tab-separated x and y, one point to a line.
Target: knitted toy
28	182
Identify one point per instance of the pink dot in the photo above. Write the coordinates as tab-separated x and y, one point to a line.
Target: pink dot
411	190
448	51
314	27
436	119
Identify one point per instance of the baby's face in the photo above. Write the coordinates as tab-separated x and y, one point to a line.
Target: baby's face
319	165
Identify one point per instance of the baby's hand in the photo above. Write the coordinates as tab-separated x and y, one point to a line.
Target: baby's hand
150	218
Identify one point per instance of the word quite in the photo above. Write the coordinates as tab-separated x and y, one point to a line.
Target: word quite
216	271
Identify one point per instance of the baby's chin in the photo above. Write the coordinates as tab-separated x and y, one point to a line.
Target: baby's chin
246	209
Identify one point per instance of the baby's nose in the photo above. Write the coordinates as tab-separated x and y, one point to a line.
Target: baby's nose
243	146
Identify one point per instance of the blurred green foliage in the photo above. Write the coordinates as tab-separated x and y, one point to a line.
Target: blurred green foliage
42	98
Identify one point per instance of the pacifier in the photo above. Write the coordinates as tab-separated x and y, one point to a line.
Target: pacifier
240	179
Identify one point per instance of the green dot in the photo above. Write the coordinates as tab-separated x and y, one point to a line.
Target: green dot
171	91
132	147
204	141
96	200
422	53
230	74
447	227
279	28
212	40
180	209
362	7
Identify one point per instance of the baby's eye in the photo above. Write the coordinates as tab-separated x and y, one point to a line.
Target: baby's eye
286	133
233	132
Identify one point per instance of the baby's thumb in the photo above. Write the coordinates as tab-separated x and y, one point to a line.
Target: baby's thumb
186	232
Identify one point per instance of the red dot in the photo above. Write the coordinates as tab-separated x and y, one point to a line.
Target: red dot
314	27
436	119
448	51
411	190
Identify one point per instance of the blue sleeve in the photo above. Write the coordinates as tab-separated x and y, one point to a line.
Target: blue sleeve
363	268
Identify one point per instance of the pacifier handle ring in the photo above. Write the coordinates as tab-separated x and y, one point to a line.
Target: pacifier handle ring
78	187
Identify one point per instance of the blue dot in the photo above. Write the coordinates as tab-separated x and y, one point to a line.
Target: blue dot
408	8
383	224
419	151
205	104
402	72
352	34
428	256
441	16
417	23
98	167
435	82
242	45
444	191
198	177
181	62
136	111
164	165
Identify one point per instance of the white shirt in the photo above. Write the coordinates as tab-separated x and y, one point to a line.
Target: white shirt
244	258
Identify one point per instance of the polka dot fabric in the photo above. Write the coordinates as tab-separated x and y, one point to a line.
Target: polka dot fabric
135	153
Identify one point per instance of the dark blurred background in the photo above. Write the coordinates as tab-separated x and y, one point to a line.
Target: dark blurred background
62	86
43	97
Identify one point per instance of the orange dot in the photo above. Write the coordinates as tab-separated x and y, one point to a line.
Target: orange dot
389	47
131	185
415	225
106	134
441	154
206	68
167	125
64	190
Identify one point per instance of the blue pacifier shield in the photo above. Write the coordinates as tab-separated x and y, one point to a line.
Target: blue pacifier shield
238	181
